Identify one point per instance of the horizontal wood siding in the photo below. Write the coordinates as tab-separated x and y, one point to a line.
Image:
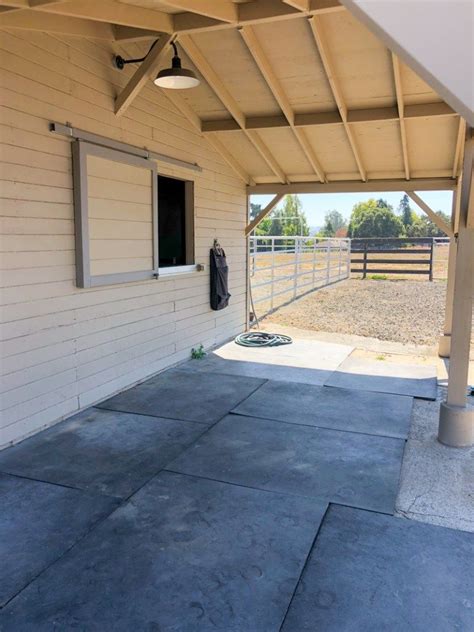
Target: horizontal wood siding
65	348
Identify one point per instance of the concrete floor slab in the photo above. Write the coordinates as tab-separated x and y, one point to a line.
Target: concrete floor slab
104	451
307	361
39	522
184	395
336	408
184	554
368	571
386	377
349	468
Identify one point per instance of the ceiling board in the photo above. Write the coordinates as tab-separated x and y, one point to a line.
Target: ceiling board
245	154
332	148
362	64
230	58
287	151
379	144
294	58
415	90
431	142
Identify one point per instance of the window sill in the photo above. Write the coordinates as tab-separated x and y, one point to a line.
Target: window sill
180	270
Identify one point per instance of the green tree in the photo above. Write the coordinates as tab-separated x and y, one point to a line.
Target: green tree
255	209
333	221
406	213
290	219
368	219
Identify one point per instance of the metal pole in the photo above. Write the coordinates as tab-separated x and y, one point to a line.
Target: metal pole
295	283
328	261
273	273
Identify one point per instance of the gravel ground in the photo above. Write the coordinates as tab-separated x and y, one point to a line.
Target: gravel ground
401	311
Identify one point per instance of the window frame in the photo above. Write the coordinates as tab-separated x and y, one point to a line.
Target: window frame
189	232
80	151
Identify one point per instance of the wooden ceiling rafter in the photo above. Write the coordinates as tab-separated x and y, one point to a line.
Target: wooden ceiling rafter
251	40
332	117
219	89
401	113
321	43
458	151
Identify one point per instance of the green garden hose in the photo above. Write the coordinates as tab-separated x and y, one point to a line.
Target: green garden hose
262	339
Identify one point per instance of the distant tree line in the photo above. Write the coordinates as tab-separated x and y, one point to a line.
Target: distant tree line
372	218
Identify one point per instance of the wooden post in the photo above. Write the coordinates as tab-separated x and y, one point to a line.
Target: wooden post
364	273
431	259
444	345
456	422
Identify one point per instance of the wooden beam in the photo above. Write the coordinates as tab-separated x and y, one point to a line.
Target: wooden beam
146	70
436	219
268	209
131	34
37	21
256	12
355	186
332	117
459	146
301	5
229	158
218	87
320	39
112	12
249	37
401	113
182	105
224	10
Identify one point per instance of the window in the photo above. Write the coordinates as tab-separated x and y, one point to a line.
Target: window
175	222
130	223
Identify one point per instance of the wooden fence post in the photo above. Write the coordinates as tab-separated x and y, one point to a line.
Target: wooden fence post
431	258
364	273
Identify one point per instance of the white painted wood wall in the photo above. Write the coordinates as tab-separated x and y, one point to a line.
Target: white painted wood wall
65	348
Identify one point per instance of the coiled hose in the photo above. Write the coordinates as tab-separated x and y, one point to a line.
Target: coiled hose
262	339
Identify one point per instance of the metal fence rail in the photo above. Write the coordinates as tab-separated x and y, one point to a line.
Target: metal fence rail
284	268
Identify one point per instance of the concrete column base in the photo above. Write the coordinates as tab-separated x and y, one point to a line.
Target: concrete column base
456	426
444	346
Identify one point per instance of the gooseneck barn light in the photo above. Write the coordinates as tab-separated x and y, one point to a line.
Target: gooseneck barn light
174	78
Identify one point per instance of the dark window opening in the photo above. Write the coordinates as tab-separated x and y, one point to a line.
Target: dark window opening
175	222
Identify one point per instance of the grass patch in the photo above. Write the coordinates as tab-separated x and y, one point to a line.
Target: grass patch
377	277
380	357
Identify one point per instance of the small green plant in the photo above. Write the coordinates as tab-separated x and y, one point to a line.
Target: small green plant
380	357
378	277
198	353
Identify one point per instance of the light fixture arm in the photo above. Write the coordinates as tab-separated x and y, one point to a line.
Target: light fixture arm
120	62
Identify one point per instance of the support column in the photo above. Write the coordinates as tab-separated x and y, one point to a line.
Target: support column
456	422
444	346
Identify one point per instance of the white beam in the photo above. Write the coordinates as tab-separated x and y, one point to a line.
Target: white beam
436	219
269	207
218	87
250	38
320	39
146	70
401	112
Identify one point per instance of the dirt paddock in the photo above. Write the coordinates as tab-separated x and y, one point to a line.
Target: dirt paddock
410	312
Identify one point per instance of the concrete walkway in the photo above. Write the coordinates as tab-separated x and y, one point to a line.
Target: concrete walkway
222	496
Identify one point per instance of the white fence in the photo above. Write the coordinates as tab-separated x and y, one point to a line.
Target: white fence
283	268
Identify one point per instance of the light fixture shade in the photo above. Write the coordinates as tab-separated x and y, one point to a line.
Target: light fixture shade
176	78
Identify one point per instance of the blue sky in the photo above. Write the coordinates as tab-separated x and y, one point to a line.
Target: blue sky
316	205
